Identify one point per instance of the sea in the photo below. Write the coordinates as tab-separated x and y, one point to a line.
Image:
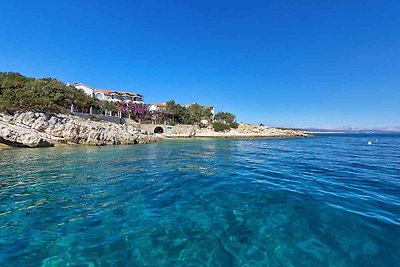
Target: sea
331	200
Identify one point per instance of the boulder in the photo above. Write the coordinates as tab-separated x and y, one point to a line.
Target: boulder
17	136
38	129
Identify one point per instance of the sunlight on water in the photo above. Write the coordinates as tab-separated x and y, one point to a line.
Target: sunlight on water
326	201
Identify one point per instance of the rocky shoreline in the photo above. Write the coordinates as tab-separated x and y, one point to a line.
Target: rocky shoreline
243	131
33	129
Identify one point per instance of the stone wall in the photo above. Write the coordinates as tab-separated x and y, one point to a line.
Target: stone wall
102	117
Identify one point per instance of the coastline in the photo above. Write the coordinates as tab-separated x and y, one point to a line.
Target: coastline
242	131
34	129
234	136
328	132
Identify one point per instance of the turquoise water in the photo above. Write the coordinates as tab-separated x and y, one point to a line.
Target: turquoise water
326	201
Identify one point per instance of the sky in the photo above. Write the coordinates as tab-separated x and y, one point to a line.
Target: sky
289	63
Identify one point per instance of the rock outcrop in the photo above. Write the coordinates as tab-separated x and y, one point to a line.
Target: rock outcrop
32	129
244	128
184	130
18	136
243	131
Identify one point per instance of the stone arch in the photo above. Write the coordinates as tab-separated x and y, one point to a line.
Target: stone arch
158	129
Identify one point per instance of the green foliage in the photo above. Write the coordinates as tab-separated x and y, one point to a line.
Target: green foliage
109	107
224	121
220	127
234	125
171	107
182	115
199	113
187	115
93	118
177	113
172	123
225	117
20	93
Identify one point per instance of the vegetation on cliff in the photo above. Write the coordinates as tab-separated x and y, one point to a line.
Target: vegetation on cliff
224	121
19	93
192	114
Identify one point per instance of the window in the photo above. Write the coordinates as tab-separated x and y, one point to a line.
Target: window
99	96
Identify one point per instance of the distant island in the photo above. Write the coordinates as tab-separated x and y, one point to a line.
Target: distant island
387	129
47	112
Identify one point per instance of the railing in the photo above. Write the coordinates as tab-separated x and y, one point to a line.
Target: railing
116	117
106	115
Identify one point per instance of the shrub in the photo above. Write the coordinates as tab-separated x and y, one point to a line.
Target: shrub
172	123
109	107
20	93
220	127
93	118
225	117
234	125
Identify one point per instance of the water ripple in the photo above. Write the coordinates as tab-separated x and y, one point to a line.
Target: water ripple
327	201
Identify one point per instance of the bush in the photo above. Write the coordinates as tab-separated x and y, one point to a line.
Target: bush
93	118
20	93
234	125
172	123
220	127
109	107
225	117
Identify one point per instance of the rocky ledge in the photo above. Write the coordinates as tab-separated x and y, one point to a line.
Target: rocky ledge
243	131
32	129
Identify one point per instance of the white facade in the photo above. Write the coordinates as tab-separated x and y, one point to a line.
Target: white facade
85	88
109	95
115	96
99	96
153	108
158	107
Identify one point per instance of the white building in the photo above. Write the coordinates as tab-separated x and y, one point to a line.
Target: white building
85	88
116	96
158	107
109	95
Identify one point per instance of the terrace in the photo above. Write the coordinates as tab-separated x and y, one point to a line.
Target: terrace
115	96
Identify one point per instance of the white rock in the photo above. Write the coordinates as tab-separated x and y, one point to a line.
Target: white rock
38	129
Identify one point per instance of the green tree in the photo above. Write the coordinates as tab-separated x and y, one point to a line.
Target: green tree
225	117
171	108
220	127
196	112
224	121
190	115
110	107
20	93
182	115
199	113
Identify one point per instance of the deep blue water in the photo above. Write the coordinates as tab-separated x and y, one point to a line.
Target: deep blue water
333	200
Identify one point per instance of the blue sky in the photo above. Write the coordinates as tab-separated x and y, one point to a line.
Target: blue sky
286	63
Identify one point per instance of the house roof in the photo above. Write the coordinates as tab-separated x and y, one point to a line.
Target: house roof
106	91
82	84
160	105
109	92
